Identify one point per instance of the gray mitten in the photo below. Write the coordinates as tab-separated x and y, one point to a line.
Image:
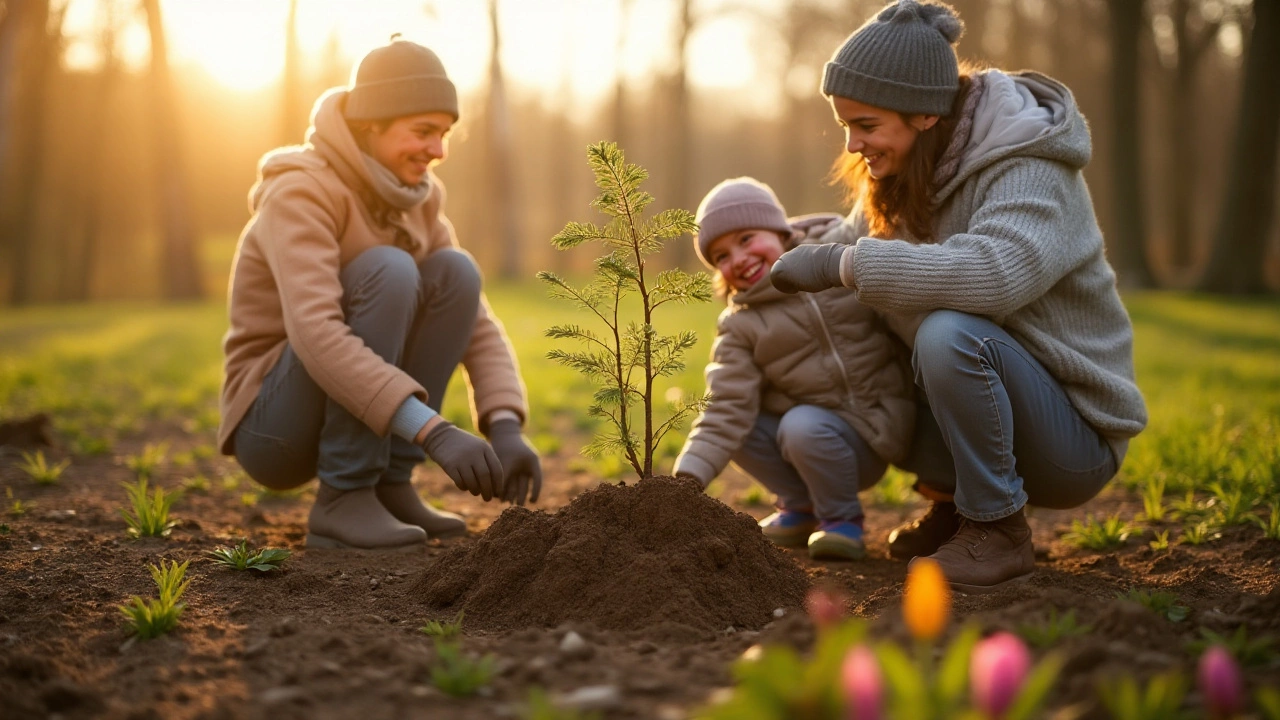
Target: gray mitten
519	461
466	459
808	268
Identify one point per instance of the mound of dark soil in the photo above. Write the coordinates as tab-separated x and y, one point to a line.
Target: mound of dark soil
620	558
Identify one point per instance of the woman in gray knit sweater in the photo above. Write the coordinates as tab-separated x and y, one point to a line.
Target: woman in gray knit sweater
974	233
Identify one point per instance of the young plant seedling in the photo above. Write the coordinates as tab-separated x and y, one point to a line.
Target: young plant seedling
1231	506
1199	534
1250	652
1162	603
242	558
444	630
4	528
1161	543
1160	699
17	508
541	708
624	361
1054	629
754	496
1106	535
457	674
145	463
1186	508
38	468
1271	525
155	617
196	484
150	516
1153	498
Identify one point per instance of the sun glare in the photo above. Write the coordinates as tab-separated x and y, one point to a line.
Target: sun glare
548	45
240	44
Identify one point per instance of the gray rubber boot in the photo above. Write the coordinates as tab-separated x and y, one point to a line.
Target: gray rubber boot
403	502
355	519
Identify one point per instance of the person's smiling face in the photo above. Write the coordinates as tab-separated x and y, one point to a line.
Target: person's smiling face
745	256
883	137
411	144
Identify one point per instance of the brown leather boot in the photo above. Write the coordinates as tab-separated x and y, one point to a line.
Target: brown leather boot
924	535
403	502
985	556
355	519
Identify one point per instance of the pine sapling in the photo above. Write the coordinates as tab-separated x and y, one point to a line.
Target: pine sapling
625	360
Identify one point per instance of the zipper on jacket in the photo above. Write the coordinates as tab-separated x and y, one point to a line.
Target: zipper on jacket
831	346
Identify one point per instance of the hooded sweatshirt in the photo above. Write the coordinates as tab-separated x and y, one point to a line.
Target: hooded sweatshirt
1016	240
315	208
774	351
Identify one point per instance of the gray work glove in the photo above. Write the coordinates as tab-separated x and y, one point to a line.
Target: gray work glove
523	469
466	459
808	268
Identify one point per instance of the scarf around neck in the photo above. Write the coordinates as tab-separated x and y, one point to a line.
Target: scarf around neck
389	188
949	163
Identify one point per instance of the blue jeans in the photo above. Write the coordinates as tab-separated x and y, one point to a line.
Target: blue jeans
418	317
812	460
997	430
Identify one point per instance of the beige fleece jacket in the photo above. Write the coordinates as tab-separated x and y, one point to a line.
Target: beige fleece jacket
313	212
775	351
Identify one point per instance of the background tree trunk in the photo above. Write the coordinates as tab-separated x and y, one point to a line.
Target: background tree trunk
501	167
80	260
37	40
1240	242
1129	248
293	110
179	264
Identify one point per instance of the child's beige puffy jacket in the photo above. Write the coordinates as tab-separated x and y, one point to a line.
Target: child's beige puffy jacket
774	351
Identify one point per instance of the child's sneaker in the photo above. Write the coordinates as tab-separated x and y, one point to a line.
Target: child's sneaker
837	540
789	528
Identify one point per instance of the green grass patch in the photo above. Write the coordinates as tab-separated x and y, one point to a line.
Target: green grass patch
1209	368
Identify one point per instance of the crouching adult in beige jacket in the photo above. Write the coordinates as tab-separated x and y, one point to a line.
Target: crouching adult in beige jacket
810	393
351	304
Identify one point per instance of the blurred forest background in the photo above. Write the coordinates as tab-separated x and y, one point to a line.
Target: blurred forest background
130	130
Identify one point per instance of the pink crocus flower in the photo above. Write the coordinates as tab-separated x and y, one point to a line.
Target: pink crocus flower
1219	679
825	607
997	669
863	689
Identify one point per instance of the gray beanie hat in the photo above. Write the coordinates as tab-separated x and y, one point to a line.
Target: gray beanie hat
400	78
738	204
902	59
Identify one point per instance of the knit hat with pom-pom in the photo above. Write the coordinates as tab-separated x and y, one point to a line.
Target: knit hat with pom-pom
902	59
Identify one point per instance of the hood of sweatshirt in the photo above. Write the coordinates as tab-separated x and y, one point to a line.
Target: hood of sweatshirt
1027	115
329	143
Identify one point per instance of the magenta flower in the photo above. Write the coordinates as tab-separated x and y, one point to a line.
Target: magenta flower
997	669
825	607
1219	679
860	679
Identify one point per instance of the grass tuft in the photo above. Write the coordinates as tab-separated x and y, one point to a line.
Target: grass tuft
155	617
1094	535
457	674
1164	604
241	557
445	630
150	516
38	468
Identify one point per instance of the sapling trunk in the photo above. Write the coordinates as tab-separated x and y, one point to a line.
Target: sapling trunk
611	360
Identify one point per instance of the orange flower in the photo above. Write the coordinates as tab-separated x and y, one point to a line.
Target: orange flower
926	602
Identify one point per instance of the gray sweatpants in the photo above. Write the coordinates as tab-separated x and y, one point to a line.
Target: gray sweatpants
416	316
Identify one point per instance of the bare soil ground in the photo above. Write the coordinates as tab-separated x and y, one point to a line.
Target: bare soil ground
335	634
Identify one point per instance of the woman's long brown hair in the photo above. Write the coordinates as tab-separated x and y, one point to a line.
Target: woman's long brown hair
903	201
